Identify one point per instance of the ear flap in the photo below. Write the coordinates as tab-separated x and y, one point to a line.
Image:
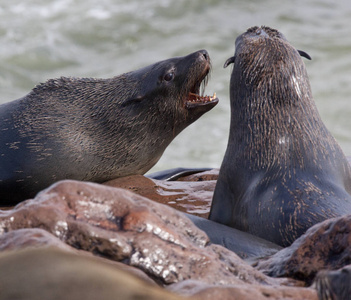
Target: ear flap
229	61
304	54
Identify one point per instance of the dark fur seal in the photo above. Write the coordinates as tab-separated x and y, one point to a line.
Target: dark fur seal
98	129
283	171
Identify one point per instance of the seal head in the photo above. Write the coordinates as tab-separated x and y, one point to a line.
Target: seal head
283	171
98	129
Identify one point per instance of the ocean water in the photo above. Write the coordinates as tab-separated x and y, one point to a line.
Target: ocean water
42	39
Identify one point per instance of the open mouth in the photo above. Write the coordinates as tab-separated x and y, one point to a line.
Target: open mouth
196	95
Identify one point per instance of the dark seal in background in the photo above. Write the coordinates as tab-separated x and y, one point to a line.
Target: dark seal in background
98	129
282	171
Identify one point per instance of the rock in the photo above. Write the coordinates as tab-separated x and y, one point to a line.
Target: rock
191	194
334	285
30	238
51	273
122	226
200	291
326	245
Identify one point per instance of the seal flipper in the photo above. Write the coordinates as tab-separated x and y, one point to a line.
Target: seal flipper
304	54
245	245
176	173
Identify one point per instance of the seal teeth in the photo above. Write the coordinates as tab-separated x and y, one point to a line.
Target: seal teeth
197	98
213	97
194	100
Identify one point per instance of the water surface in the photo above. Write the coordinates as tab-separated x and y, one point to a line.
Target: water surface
102	38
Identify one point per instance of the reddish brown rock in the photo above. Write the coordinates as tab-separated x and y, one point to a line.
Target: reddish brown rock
324	246
122	226
200	291
30	238
50	273
191	194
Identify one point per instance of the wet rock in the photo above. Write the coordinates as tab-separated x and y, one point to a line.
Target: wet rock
191	194
50	273
200	291
30	238
334	285
122	226
326	245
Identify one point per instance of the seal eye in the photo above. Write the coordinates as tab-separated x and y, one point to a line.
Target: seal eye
169	76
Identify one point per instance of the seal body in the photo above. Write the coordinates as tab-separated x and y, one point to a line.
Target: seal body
98	129
282	171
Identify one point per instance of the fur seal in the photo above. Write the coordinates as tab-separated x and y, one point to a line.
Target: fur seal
98	129
282	171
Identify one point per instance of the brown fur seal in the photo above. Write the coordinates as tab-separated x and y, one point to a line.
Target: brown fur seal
283	171
98	129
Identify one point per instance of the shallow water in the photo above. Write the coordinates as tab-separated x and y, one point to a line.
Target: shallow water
103	38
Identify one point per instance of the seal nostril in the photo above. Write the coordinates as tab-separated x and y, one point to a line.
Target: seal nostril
205	54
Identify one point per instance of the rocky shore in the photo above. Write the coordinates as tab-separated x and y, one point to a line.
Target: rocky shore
131	239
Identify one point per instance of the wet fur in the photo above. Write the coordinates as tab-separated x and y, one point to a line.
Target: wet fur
282	171
94	129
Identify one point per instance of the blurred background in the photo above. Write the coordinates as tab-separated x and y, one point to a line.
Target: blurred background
42	39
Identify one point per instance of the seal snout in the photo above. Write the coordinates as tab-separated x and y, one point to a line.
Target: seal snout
204	54
205	57
262	31
195	97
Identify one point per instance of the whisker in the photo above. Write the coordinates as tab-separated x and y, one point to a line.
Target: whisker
203	85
